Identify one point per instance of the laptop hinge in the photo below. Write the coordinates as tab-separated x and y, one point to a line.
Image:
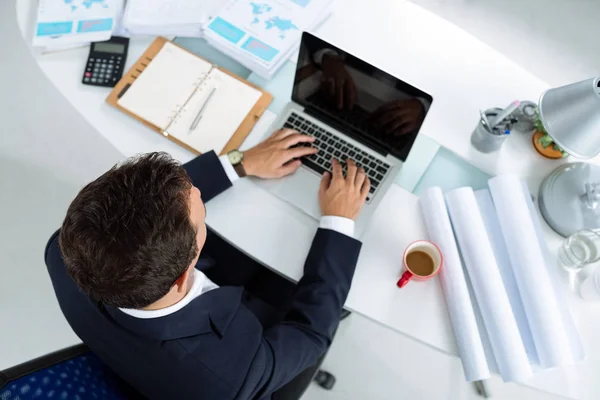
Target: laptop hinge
347	130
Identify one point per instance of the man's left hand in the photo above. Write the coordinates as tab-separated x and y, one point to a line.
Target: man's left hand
277	157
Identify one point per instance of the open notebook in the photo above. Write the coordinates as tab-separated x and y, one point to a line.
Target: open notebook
190	100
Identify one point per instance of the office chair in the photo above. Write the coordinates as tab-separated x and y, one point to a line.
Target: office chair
74	373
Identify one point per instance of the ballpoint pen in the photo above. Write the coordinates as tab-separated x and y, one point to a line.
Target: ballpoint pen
198	117
506	112
485	120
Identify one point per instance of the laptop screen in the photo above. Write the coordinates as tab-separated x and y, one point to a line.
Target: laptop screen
357	98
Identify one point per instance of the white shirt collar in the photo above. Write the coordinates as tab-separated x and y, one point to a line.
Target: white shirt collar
200	285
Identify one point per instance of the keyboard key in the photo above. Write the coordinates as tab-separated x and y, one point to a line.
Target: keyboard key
331	141
297	124
371	189
352	153
300	118
358	157
344	149
312	165
372	164
323	146
320	161
337	154
338	146
288	125
330	149
343	141
378	161
379	177
381	169
317	134
311	130
327	165
304	127
321	130
364	154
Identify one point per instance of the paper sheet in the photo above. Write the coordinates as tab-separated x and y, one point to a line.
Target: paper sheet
165	85
460	308
559	290
531	271
224	112
484	275
62	23
492	225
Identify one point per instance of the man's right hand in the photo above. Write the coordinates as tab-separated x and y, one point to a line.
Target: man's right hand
344	197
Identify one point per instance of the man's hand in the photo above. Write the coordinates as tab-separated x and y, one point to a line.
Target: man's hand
344	197
399	117
276	156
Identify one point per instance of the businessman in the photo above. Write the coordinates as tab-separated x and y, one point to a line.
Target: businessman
131	268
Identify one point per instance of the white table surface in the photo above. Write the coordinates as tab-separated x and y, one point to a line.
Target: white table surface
461	73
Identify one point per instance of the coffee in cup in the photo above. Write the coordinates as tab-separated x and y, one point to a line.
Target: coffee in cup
422	260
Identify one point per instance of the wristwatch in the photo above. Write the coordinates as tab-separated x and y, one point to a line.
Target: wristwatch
236	158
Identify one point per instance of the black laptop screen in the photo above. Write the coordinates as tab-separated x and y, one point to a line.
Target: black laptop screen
358	98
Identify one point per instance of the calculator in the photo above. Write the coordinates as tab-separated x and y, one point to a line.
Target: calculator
106	62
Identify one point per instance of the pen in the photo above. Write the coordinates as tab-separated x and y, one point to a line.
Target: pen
198	117
484	119
506	112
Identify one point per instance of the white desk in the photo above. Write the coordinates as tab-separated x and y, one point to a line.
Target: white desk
461	73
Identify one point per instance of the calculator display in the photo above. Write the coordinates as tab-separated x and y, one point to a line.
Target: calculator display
114	48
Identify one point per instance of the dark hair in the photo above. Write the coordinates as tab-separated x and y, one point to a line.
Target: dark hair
127	236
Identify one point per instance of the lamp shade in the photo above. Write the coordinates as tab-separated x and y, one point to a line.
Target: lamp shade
571	116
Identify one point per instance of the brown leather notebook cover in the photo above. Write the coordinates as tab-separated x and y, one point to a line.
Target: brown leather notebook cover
129	79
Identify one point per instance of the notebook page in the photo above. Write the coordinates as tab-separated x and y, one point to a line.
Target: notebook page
158	94
225	111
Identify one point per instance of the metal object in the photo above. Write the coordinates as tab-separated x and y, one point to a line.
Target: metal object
569	198
481	389
485	138
525	116
571	116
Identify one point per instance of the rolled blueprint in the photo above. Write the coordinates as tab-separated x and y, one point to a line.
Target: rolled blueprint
492	225
454	285
488	287
559	292
531	272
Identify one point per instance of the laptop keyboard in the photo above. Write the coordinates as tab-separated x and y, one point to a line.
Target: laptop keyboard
332	146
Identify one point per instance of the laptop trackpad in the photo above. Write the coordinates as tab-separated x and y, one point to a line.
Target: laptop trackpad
302	190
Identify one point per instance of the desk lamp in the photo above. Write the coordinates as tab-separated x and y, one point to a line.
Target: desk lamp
570	196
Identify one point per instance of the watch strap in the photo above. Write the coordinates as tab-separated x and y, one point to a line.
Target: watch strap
239	169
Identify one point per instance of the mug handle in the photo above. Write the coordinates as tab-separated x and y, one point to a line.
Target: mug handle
406	276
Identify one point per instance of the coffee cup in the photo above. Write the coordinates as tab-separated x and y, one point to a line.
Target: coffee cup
422	260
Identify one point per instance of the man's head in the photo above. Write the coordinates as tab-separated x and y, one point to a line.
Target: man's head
134	234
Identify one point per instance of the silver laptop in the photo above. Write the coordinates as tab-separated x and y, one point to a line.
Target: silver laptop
354	110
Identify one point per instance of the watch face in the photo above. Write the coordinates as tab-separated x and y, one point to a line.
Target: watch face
235	157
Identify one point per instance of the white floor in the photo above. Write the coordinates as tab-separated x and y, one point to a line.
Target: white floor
38	178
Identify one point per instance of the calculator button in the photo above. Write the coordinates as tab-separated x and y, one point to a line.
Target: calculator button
112	57
91	59
86	79
111	61
88	74
106	81
93	80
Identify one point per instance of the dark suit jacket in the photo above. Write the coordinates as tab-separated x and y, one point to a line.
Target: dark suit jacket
215	348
